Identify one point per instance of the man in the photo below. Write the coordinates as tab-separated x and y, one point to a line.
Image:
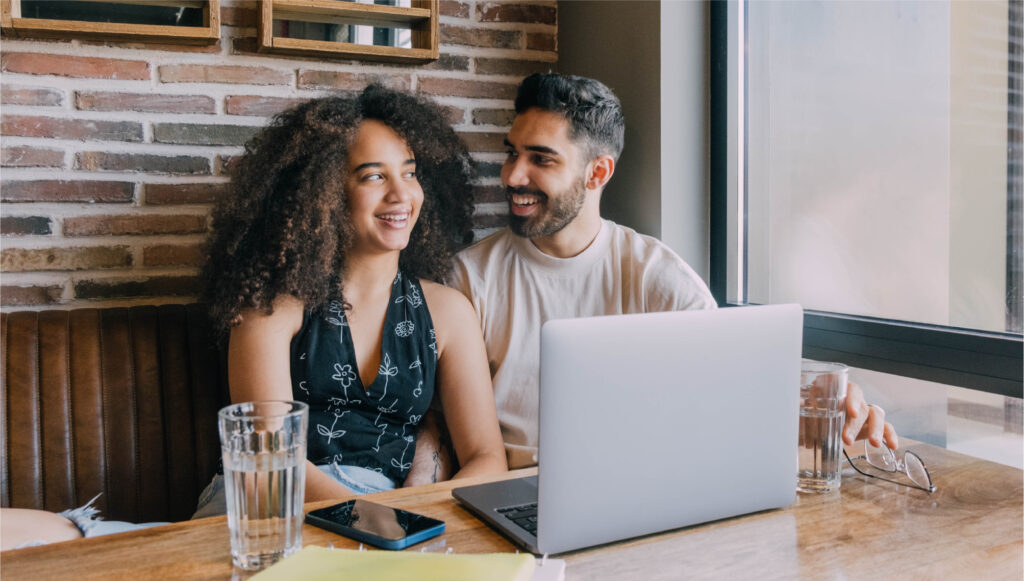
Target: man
558	258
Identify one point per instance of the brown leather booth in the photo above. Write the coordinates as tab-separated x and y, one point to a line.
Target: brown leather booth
118	401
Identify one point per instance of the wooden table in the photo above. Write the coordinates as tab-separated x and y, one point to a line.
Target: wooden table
971	528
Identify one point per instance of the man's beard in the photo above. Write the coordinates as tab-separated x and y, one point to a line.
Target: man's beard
559	212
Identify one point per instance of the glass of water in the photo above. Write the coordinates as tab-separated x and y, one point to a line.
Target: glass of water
822	415
263	446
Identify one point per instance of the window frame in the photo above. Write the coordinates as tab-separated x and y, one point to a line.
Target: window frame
978	360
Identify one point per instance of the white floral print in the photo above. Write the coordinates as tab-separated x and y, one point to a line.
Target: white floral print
405	328
344	375
338	320
331	433
413	299
388	371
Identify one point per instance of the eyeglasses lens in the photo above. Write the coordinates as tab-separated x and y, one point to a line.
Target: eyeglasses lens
916	471
881	458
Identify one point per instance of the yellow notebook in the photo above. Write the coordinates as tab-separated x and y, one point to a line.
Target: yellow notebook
316	563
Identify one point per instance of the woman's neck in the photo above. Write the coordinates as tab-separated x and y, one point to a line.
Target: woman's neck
369	276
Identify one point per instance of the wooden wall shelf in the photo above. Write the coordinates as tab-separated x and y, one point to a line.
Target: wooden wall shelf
16	26
421	19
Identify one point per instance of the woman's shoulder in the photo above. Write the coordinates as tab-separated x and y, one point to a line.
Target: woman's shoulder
442	295
285	314
445	303
452	314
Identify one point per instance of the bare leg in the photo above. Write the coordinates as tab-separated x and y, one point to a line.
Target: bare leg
20	525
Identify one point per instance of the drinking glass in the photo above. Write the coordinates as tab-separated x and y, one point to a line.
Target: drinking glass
263	445
822	414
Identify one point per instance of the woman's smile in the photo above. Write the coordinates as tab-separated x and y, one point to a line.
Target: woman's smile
397	219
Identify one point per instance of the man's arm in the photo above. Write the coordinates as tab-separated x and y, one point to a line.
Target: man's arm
432	461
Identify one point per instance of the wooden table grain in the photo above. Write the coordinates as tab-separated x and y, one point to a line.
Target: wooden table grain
971	528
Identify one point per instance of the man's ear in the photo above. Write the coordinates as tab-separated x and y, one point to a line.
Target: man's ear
601	170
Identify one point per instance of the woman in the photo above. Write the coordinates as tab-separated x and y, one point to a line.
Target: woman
340	216
343	213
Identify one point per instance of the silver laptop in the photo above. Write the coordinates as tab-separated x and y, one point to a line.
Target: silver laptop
652	422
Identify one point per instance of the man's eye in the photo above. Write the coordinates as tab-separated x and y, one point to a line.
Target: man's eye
543	160
511	154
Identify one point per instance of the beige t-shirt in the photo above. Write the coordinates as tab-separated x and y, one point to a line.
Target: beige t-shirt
515	288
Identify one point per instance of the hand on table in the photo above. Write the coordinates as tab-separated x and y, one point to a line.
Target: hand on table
864	420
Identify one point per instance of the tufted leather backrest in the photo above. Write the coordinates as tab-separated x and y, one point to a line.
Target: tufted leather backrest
121	401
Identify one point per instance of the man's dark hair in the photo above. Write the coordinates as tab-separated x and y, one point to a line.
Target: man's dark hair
284	228
593	111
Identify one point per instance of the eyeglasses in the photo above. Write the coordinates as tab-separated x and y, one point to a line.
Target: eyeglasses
884	459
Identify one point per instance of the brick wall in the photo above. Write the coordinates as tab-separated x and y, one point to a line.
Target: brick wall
113	153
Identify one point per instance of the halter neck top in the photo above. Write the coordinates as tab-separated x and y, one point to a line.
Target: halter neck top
371	426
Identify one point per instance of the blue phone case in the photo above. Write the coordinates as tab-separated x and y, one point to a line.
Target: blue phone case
374	540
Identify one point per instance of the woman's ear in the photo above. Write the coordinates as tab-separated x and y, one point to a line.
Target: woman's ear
601	170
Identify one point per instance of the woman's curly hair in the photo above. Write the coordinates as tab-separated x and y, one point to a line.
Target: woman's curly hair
284	227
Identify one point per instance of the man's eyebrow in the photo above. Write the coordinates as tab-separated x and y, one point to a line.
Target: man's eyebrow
376	164
535	148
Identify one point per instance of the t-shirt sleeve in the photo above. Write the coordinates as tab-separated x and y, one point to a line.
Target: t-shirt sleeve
466	278
458	279
671	285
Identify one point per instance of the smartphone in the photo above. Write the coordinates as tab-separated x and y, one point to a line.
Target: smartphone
375	524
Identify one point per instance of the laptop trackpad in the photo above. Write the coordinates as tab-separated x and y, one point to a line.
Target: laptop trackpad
521	490
494	495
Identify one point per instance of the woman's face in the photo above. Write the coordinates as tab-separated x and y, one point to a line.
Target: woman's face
384	196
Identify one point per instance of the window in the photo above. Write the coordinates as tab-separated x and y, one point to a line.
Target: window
173	21
866	163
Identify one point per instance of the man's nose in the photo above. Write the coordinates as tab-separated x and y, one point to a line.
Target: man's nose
514	173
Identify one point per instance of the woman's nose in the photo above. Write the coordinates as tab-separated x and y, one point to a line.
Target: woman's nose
401	190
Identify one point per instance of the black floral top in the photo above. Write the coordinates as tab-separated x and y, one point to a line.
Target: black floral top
369	426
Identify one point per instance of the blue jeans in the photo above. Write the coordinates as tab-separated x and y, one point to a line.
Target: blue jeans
90	525
213	502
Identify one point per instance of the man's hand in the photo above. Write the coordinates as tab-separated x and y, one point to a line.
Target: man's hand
432	461
864	420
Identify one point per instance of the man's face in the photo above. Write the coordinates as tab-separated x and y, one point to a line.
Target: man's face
544	174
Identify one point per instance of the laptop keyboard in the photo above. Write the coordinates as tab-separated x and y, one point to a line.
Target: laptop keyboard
524	515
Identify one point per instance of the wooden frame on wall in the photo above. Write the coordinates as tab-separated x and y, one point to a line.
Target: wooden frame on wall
16	26
421	18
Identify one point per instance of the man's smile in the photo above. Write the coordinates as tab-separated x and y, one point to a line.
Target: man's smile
524	202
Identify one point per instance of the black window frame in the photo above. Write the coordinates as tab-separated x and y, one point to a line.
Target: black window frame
978	360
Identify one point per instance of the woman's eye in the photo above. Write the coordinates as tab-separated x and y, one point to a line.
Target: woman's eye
372	177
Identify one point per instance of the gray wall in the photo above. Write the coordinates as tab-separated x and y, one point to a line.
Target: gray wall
653	55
